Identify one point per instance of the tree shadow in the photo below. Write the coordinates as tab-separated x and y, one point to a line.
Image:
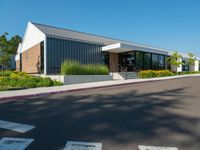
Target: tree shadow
121	119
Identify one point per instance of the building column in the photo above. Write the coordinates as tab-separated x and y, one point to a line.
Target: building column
113	62
177	68
180	68
194	67
45	55
197	65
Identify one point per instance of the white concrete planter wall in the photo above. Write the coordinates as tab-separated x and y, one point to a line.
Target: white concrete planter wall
176	68
194	67
191	68
74	79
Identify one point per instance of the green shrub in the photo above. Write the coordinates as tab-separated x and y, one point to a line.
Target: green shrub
188	72
5	73
154	73
57	83
70	67
13	75
45	82
24	80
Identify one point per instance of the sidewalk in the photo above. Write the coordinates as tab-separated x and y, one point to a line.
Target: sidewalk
19	94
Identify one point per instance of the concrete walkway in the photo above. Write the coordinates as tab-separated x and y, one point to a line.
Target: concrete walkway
19	94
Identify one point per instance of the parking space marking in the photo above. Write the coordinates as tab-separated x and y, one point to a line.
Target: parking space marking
14	143
73	145
143	147
22	128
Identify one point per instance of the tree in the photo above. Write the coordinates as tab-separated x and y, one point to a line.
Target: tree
13	44
4	56
7	48
174	61
5	60
192	59
3	42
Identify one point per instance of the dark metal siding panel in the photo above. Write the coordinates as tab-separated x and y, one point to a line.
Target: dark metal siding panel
59	50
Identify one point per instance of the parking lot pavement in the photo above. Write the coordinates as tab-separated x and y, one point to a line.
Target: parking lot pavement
162	113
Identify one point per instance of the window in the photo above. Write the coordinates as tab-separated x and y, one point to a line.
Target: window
161	62
139	59
154	61
147	61
185	66
130	61
168	63
158	62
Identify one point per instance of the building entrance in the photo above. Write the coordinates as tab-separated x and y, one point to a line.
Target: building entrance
127	61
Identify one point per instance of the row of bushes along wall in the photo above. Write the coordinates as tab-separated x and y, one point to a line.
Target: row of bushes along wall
161	73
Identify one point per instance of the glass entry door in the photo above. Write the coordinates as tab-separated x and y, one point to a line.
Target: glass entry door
127	60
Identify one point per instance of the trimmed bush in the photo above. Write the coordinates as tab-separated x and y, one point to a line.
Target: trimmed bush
70	67
24	80
45	82
155	73
188	72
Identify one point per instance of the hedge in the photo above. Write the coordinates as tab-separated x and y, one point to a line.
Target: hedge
70	67
187	72
155	73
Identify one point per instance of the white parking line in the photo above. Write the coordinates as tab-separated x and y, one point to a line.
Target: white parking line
22	128
72	145
14	143
142	147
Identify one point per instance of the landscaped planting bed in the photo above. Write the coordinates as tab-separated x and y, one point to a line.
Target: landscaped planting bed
70	67
15	79
161	73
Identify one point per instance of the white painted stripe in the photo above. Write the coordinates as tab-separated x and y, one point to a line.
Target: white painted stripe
73	145
142	147
14	143
22	128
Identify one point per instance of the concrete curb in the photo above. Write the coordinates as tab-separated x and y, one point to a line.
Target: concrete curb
18	97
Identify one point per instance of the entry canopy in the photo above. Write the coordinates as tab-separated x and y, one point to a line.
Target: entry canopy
122	47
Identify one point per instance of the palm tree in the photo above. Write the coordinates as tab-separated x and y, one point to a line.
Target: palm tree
175	61
191	61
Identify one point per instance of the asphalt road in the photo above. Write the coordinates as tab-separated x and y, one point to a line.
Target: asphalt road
163	113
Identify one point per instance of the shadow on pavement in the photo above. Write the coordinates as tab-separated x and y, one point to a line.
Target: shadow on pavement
121	119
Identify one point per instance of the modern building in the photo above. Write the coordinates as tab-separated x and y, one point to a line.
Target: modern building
44	49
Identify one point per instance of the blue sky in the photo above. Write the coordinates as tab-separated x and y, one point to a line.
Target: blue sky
171	24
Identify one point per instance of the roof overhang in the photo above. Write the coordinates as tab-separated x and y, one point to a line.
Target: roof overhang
122	47
117	48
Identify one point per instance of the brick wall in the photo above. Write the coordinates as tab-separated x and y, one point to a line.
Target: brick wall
113	62
31	60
